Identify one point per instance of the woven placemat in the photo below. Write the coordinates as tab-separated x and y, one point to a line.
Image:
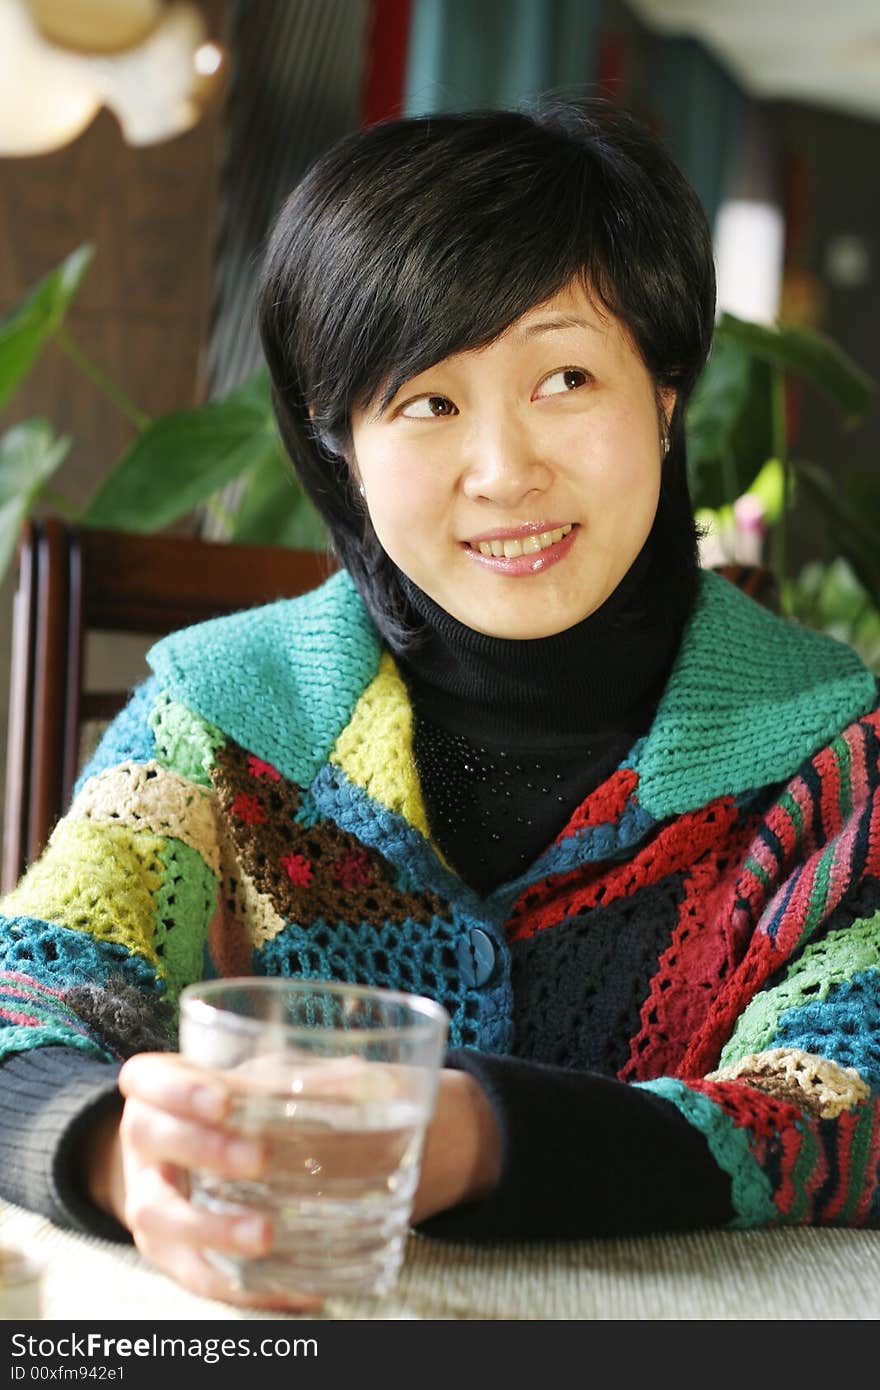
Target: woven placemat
783	1274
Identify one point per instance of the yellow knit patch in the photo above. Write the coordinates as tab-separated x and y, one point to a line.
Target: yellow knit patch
375	750
96	878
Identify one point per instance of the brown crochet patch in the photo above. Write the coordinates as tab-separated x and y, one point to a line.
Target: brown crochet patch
821	1087
306	872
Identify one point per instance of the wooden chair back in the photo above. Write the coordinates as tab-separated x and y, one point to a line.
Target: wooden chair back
73	580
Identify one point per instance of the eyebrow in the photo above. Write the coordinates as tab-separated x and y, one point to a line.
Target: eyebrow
550	325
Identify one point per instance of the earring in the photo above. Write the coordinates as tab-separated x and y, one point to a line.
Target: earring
361	490
664	444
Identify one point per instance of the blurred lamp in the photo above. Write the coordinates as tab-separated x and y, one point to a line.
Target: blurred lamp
62	60
749	248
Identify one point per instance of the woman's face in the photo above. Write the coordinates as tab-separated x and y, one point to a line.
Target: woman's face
552	429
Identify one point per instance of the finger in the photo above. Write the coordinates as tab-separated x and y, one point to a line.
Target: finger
160	1137
163	1226
168	1081
161	1216
195	1272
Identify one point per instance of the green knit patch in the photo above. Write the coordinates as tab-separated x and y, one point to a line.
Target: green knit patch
185	904
185	743
751	696
281	679
833	961
24	1037
751	1192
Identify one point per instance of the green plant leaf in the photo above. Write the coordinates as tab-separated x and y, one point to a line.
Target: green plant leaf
182	458
808	354
274	510
29	455
25	330
853	534
729	426
717	400
769	486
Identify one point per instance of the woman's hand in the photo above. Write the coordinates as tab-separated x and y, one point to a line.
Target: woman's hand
136	1168
173	1120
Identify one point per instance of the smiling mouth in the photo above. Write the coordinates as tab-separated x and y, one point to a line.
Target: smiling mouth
522	545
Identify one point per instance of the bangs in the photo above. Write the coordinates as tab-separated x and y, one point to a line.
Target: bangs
415	279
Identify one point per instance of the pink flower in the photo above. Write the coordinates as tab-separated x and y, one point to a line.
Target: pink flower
260	769
298	869
248	809
353	869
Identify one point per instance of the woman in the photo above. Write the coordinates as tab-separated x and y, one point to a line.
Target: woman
520	754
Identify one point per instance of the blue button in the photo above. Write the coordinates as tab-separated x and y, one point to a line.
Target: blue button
476	958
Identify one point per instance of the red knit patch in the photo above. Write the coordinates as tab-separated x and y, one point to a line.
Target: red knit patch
675	848
353	870
247	808
298	869
703	948
258	768
606	804
750	1108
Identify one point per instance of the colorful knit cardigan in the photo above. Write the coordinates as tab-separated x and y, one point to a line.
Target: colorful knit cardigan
706	926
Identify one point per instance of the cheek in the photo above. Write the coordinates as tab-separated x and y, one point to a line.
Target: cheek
619	468
404	494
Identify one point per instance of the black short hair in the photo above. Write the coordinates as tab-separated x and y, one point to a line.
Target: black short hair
424	236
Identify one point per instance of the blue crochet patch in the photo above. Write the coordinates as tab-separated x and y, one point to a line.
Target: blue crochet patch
844	1026
61	957
613	839
129	736
408	956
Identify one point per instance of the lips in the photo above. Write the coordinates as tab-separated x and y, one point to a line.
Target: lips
529	544
524	554
511	533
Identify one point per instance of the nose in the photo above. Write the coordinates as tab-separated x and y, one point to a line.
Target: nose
503	464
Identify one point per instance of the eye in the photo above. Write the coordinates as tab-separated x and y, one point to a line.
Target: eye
428	408
566	379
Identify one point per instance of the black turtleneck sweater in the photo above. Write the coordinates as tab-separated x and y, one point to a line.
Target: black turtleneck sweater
511	735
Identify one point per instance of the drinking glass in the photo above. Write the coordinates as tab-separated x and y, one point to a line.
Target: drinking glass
339	1081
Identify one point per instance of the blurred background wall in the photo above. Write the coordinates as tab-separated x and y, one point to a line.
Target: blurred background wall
772	110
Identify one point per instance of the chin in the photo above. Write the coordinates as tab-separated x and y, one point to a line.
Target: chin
517	628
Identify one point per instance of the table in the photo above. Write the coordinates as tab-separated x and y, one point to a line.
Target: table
805	1274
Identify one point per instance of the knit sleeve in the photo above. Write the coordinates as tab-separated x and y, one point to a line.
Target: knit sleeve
783	1080
772	1115
105	929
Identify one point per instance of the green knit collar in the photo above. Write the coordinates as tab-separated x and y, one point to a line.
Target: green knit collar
749	698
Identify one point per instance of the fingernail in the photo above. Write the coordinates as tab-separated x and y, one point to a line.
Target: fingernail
252	1232
209	1102
246	1155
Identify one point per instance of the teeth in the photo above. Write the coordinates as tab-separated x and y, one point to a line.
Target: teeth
528	545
